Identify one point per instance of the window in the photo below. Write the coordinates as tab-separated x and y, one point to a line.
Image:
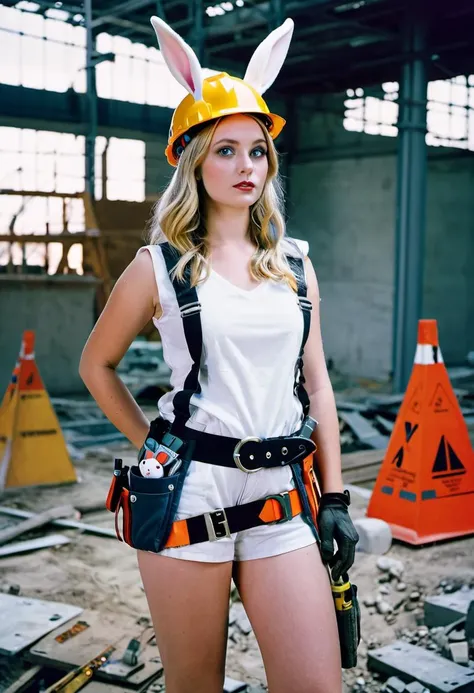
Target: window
450	112
38	160
50	53
40	52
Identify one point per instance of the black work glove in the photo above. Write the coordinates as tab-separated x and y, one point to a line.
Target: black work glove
335	523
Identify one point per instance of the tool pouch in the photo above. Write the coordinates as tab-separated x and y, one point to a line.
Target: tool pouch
148	506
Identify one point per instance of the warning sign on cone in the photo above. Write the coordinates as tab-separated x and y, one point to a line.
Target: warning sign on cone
425	487
32	447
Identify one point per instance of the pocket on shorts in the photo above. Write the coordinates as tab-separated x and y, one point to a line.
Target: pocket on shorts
152	504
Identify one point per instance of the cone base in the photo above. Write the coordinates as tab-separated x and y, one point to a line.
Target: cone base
410	536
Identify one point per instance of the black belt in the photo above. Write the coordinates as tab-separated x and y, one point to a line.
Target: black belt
248	454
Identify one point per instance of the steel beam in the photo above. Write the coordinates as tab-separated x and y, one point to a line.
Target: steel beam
91	95
411	198
199	31
129	6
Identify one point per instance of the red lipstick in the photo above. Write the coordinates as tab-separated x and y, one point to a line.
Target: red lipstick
245	185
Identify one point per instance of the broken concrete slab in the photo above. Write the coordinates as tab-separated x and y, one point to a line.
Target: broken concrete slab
394	685
364	430
414	663
375	536
25	620
470	622
459	652
416	687
234	686
443	609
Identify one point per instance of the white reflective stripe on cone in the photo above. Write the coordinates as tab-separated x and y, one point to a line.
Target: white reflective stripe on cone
426	354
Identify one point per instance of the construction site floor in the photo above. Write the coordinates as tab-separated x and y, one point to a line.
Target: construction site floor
101	573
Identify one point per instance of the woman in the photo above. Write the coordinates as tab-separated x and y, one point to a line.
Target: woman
220	221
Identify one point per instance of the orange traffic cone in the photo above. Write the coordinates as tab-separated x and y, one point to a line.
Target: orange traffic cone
425	487
32	447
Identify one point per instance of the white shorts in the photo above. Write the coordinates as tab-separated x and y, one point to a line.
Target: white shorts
208	487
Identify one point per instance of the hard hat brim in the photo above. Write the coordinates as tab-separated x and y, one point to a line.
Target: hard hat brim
277	124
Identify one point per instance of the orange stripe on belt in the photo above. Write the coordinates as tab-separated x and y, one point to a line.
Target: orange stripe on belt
179	535
272	510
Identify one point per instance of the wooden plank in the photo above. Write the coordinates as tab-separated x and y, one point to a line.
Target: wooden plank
38	193
103	630
361	458
78	237
34	544
36	521
361	476
23	682
69	524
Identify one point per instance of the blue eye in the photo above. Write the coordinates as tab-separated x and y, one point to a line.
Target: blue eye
261	152
222	151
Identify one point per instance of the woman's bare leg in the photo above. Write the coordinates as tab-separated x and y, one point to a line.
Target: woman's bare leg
289	603
189	604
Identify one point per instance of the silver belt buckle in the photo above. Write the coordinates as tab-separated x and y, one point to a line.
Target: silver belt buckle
236	455
211	531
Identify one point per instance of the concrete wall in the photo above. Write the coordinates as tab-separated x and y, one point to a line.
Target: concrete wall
61	311
343	203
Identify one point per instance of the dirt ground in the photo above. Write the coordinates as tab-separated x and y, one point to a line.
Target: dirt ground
101	573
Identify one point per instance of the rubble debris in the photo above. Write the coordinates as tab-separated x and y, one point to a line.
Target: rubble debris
238	616
383	607
392	566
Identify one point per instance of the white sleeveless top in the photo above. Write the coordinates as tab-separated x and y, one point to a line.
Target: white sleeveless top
251	342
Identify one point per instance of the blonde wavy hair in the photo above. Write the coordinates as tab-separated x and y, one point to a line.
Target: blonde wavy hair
179	216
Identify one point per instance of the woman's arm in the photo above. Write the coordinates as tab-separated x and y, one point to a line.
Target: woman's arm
132	303
321	396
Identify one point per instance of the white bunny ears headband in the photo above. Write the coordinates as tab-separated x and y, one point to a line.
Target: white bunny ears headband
222	94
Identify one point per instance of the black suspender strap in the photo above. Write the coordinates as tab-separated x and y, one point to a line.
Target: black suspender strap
190	309
297	267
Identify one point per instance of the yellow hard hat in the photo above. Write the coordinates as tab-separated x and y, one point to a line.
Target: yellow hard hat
221	94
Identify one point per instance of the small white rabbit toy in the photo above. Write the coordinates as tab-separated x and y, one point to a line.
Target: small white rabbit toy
150	466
